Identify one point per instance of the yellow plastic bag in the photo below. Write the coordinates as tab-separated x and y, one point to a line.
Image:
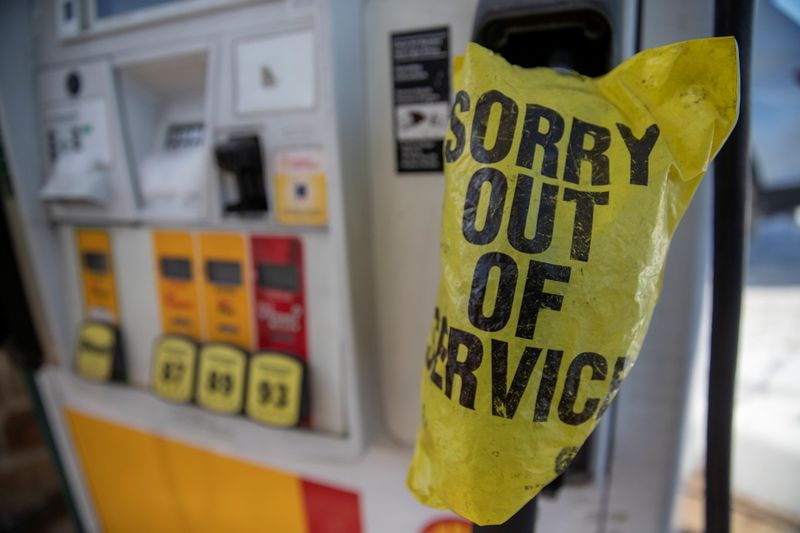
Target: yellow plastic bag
562	194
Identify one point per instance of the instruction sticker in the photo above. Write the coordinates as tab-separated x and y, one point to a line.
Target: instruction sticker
421	92
301	188
562	193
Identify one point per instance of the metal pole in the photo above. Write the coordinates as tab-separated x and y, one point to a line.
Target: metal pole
522	522
732	17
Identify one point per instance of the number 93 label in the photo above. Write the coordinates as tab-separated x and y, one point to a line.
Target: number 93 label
275	389
220	378
174	360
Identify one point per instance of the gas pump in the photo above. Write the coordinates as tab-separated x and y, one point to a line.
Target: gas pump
625	478
189	204
247	193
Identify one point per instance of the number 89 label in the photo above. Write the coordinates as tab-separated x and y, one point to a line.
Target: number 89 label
275	389
220	378
174	360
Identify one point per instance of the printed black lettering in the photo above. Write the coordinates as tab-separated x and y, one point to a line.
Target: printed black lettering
640	151
505	128
584	219
439	352
613	387
547	385
577	152
547	139
451	153
465	369
520	207
505	397
504	297
430	350
566	407
534	298
494	213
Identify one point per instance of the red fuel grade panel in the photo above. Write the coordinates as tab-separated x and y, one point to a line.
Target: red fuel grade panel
279	290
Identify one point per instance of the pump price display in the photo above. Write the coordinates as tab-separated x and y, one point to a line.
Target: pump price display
97	348
174	359
221	378
275	389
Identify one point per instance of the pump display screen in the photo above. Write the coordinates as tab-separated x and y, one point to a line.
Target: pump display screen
96	262
176	268
224	272
281	277
110	8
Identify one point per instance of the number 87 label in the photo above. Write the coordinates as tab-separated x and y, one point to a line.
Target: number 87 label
220	378
275	389
174	360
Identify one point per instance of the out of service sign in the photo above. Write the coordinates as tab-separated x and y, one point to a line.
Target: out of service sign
562	193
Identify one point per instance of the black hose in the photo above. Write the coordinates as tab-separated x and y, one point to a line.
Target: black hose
732	17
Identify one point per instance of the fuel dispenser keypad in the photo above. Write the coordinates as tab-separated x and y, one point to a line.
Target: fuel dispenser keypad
221	378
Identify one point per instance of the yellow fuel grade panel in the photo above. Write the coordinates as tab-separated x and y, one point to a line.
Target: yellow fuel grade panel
97	274
226	288
177	286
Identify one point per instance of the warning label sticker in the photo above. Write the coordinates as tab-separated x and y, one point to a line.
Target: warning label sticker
421	86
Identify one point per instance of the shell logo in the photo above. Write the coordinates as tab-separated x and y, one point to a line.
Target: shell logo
448	525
